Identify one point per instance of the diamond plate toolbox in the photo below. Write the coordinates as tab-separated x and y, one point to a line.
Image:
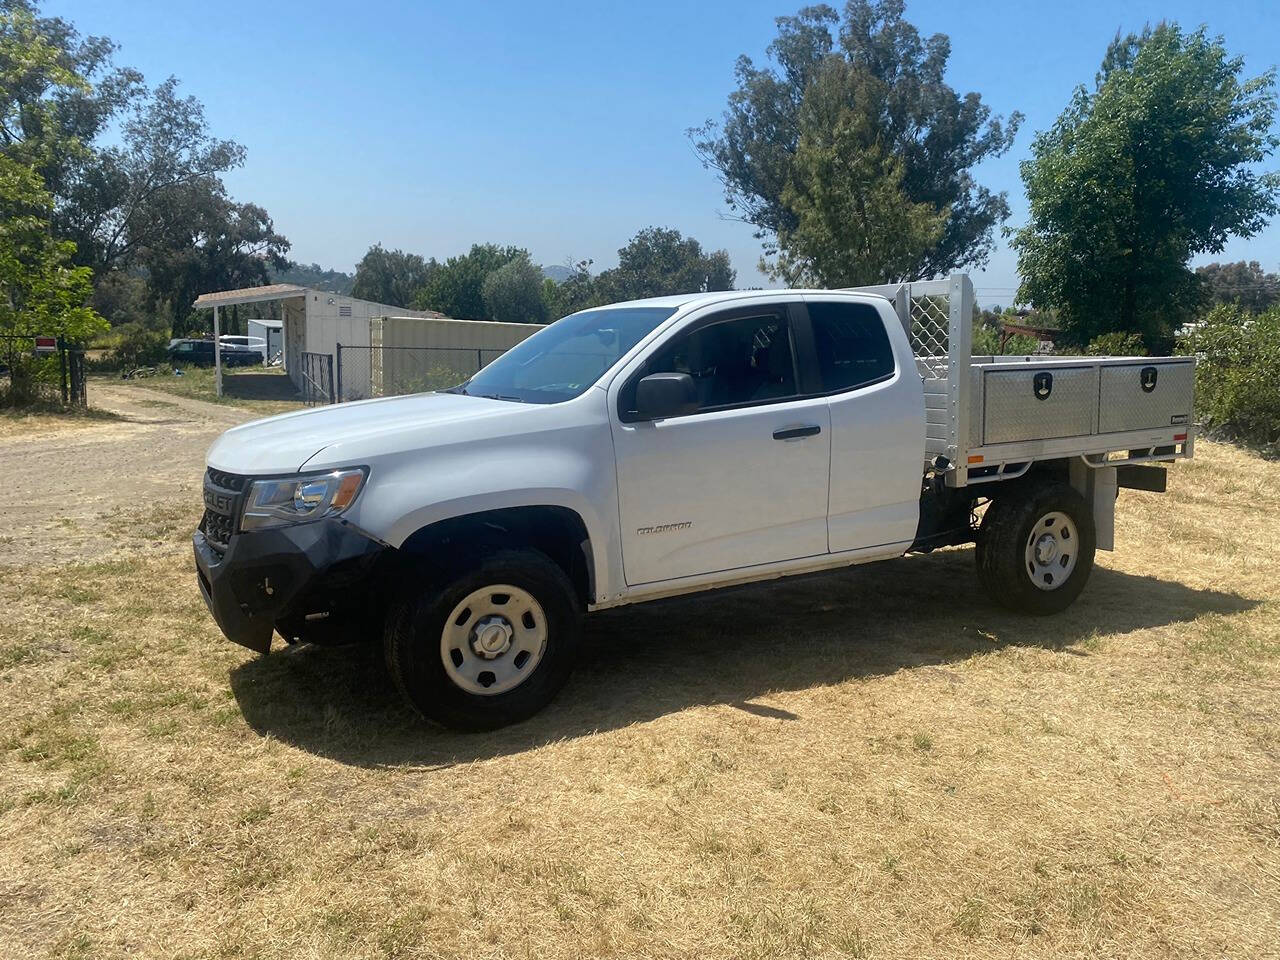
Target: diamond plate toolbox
1039	403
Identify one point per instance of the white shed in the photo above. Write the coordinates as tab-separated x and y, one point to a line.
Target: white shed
315	321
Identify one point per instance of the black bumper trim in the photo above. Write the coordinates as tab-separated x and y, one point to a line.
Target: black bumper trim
250	586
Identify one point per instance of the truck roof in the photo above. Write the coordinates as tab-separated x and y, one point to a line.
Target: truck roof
687	299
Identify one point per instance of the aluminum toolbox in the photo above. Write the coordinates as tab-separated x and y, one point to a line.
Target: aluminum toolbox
1146	394
1038	403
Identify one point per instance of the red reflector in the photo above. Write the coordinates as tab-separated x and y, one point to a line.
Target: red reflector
1179	437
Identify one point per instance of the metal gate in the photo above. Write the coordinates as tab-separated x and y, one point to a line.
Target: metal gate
72	363
317	378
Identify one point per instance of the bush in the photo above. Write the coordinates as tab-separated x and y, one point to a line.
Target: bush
26	380
986	342
1238	374
1116	344
131	345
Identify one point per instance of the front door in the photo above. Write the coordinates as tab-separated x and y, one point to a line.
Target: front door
743	480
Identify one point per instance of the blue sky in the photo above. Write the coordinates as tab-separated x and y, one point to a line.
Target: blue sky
560	127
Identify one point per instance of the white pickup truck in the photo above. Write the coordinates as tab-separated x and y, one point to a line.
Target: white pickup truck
666	446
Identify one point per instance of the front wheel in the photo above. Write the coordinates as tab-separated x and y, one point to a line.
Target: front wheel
1035	548
486	646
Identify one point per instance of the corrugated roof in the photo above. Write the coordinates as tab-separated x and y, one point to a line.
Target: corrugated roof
284	291
274	291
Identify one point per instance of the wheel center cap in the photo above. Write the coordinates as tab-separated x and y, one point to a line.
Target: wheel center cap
1046	549
491	637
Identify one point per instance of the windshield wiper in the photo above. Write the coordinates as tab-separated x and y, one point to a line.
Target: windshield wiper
496	396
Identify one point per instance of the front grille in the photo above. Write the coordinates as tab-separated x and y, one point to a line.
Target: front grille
217	530
227	481
223	493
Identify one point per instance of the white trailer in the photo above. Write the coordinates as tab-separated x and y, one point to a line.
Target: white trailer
271	333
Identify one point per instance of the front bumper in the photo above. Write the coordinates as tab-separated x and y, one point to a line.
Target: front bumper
264	573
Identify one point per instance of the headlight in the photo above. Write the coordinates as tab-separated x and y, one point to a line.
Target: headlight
278	503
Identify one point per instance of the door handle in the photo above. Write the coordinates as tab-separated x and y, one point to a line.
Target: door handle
795	433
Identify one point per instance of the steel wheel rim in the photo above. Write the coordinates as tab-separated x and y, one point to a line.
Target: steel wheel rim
1053	546
493	640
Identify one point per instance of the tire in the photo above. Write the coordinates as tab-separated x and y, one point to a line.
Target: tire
1035	548
507	622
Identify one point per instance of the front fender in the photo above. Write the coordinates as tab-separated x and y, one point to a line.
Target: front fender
572	469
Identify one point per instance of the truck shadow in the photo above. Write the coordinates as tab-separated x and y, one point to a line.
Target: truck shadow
639	663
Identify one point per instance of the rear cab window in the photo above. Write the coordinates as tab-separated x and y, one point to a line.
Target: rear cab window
852	346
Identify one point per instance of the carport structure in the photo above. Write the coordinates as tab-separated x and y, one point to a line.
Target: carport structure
315	321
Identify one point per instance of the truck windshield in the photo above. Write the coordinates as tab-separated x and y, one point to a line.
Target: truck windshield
563	359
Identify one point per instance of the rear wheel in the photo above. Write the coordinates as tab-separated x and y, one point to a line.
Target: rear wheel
1035	548
487	646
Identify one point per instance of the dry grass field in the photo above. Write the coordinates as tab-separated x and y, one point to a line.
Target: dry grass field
870	763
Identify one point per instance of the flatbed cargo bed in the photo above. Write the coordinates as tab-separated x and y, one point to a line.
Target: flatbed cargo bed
990	418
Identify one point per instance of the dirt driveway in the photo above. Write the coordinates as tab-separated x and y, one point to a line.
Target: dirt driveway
74	491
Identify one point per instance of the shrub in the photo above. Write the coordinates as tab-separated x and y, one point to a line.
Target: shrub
986	342
139	346
1238	374
1116	344
130	345
26	379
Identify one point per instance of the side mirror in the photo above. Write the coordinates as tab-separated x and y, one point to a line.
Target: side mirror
662	395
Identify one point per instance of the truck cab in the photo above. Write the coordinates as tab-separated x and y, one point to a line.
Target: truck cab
621	454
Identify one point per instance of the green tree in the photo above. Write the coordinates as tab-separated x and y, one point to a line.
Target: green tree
134	172
456	288
1238	374
1245	283
58	93
577	291
391	276
316	276
770	145
854	224
221	245
128	199
659	261
41	291
514	292
1155	165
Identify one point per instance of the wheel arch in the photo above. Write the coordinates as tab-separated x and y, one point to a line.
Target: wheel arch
556	530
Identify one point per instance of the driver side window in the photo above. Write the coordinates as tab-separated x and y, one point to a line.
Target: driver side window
734	362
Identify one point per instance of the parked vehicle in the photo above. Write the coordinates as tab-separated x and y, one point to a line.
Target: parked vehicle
199	353
256	344
667	446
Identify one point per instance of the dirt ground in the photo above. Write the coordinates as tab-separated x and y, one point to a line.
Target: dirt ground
70	483
868	763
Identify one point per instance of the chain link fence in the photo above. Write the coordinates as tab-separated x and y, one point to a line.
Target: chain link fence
364	372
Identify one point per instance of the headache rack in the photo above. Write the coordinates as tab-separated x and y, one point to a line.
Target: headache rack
990	418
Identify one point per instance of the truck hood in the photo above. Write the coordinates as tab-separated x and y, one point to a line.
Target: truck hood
285	444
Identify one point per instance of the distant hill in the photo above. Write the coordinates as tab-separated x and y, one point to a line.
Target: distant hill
557	272
315	276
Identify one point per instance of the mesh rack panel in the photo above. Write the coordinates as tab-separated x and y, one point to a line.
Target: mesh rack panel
930	323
